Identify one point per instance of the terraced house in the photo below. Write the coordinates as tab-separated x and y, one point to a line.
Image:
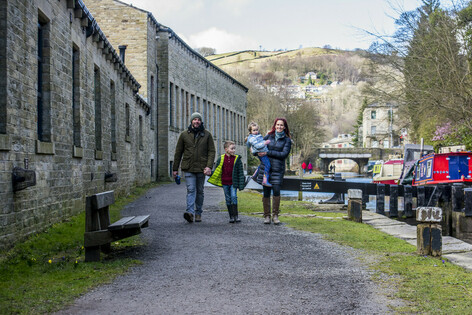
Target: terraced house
81	113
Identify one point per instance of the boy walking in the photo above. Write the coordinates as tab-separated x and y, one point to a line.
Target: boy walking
229	174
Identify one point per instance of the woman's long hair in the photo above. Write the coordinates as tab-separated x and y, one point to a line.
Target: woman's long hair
287	131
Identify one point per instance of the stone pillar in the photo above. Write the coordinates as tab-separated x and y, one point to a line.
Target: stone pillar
428	233
393	201
380	203
354	205
408	201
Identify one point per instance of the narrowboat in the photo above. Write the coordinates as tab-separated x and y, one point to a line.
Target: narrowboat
412	153
390	172
441	168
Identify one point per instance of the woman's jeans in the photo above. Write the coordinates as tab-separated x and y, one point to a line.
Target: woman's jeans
231	196
194	182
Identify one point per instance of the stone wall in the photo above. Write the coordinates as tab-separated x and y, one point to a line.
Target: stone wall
178	80
65	173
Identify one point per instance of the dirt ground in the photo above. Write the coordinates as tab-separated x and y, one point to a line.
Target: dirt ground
214	267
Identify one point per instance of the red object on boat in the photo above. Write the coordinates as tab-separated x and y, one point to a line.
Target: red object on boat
389	173
441	168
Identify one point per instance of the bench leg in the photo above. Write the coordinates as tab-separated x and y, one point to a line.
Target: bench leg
92	253
106	248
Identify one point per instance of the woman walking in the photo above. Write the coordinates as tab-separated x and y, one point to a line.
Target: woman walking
278	151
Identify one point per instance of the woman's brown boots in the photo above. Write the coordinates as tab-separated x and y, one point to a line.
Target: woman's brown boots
275	210
266	206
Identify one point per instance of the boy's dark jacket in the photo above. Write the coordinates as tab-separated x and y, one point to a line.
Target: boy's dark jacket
196	152
238	173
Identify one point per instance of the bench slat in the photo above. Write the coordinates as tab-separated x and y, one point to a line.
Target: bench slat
103	199
129	223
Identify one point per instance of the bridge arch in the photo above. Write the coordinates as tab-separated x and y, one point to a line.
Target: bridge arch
324	156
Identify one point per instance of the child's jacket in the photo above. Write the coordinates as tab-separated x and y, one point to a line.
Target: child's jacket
238	173
256	142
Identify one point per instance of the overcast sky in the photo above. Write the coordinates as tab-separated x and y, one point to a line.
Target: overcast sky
233	25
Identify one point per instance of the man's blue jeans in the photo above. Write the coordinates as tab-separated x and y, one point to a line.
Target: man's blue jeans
194	182
231	196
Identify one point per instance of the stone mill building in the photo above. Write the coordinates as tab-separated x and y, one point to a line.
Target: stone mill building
92	102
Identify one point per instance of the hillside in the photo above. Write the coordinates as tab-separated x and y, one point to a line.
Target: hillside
334	94
253	57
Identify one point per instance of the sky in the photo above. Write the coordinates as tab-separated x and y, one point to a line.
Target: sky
235	25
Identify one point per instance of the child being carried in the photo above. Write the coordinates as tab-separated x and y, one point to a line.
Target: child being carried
257	144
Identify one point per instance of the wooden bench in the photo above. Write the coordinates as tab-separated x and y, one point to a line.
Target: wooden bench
99	233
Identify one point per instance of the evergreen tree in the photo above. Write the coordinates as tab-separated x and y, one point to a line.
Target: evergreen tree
356	135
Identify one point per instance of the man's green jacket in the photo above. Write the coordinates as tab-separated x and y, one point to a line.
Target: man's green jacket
195	152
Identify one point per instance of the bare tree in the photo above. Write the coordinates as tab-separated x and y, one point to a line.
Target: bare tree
206	51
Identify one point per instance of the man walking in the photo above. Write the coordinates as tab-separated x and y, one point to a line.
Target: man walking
196	149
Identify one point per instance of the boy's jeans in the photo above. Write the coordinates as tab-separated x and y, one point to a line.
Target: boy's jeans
194	182
265	160
231	196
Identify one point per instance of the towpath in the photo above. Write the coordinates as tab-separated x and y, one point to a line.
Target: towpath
214	267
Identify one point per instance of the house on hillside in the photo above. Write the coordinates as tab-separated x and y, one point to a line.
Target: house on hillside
311	75
379	126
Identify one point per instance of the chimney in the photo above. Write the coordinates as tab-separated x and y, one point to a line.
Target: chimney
122	49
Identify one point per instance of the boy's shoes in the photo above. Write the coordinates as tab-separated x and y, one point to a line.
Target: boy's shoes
267	220
231	220
265	181
189	217
198	218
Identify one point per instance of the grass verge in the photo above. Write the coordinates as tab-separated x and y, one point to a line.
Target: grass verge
47	271
428	285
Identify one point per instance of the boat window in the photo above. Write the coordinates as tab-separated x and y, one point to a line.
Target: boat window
429	169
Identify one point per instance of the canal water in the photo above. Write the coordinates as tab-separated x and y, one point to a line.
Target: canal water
317	197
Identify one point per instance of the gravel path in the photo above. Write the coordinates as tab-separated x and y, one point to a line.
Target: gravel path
214	267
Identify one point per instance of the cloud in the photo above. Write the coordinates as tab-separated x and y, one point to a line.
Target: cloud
221	40
237	6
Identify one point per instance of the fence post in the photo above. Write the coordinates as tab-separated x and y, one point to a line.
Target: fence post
444	202
300	191
468	202
354	205
408	201
380	207
365	200
457	197
421	198
393	201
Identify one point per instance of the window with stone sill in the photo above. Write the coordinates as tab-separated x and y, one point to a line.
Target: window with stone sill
76	123
113	116
98	108
44	79
171	104
127	123
140	120
3	68
373	114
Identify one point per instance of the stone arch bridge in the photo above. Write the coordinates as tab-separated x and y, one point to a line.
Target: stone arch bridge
322	157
